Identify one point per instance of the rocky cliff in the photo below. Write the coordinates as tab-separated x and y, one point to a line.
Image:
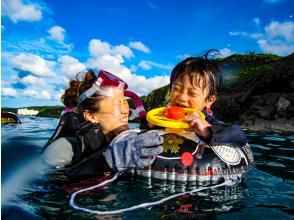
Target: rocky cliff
258	92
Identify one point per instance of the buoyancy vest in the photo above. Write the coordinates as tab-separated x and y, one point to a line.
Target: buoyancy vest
88	142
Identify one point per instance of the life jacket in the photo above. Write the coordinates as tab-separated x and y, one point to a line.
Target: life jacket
88	142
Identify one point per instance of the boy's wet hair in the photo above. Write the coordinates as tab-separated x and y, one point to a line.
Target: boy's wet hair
198	68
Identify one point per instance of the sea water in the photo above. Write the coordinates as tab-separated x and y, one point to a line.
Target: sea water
266	191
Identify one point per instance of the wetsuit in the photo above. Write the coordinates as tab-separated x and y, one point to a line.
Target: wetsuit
222	133
77	145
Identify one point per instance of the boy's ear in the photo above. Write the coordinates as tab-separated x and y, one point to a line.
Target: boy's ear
90	117
210	101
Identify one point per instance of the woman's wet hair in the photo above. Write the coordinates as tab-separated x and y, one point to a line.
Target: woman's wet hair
78	87
203	68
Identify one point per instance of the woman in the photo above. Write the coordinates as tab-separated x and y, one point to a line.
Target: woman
81	141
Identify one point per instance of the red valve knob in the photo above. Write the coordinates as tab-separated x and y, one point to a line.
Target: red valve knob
175	112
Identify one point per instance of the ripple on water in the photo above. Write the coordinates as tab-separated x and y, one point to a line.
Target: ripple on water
285	158
256	154
266	188
273	145
273	138
260	146
275	164
291	137
252	134
287	149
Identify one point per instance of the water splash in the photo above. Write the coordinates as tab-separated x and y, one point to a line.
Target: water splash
23	176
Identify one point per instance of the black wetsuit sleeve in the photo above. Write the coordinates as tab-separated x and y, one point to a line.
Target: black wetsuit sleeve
66	127
143	123
95	164
89	159
56	133
222	133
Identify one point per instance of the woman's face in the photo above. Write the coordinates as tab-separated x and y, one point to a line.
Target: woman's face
114	113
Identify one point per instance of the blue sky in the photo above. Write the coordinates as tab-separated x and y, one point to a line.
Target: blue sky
45	43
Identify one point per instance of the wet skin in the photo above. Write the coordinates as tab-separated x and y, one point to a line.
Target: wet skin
185	94
113	113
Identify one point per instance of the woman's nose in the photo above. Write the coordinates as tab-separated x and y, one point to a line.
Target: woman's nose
125	109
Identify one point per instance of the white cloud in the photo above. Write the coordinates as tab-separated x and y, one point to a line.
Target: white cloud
123	50
48	49
245	34
34	64
16	10
277	38
108	63
8	92
45	95
98	47
41	95
238	33
139	84
133	68
225	52
284	30
273	30
8	75
183	56
34	81
142	85
139	46
57	95
276	47
144	65
30	93
256	35
111	59
57	33
256	21
103	55
70	66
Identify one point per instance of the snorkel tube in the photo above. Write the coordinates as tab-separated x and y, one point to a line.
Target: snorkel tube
139	111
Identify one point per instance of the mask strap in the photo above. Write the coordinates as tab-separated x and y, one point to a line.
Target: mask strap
91	91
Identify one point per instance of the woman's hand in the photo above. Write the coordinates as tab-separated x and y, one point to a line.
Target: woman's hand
198	125
138	150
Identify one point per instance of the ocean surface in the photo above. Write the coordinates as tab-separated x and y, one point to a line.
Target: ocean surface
28	192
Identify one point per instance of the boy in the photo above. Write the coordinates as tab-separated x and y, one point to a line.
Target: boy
195	83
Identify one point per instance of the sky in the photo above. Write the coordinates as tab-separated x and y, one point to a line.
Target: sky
44	44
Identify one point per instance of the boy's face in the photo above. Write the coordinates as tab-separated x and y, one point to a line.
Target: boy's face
184	94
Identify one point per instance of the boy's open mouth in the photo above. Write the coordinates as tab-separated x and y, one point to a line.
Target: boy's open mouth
178	105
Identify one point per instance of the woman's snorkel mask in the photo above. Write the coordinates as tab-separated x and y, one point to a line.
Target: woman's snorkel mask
104	86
